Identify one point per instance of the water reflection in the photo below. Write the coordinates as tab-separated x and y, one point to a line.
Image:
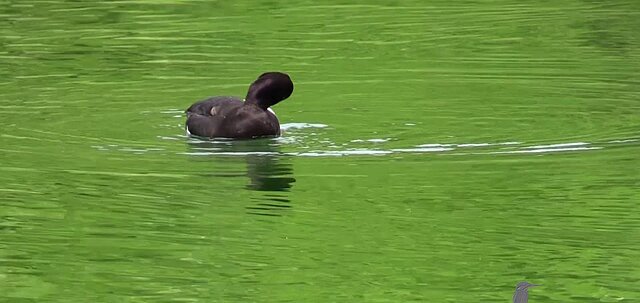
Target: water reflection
269	173
267	170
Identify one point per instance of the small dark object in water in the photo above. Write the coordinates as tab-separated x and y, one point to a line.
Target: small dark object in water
230	117
522	295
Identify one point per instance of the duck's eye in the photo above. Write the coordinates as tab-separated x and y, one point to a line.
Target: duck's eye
214	111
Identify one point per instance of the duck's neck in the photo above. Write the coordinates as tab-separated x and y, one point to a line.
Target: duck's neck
255	102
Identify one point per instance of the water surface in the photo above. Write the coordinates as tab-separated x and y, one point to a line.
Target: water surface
432	152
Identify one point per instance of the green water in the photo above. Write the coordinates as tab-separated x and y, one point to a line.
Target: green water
433	151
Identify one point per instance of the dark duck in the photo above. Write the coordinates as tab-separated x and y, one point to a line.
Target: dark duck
231	117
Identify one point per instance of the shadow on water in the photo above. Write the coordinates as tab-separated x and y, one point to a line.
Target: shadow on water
267	170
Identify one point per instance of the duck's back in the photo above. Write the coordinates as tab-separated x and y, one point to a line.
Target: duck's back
230	117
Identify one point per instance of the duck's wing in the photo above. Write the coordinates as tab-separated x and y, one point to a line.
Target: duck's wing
204	107
204	126
255	122
206	118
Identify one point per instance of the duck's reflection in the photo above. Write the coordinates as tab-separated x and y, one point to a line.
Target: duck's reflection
267	170
269	173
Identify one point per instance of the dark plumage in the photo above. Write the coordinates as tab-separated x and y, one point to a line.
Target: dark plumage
230	117
521	295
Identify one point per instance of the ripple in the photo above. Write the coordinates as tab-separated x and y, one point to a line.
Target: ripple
289	126
371	140
558	146
221	148
548	150
422	150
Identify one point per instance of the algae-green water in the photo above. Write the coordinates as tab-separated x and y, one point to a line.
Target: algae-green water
432	151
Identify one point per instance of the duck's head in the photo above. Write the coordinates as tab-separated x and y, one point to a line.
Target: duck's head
269	89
